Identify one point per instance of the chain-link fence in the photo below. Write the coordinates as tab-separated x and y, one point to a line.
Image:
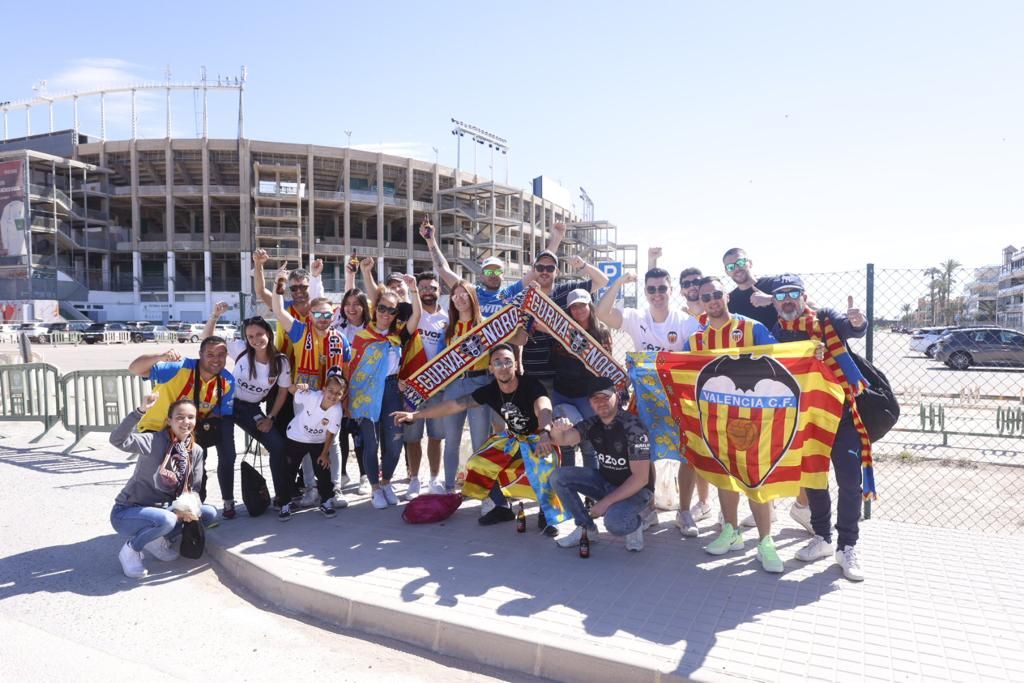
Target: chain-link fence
956	457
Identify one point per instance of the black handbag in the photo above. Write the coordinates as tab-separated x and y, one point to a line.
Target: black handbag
255	493
193	540
208	429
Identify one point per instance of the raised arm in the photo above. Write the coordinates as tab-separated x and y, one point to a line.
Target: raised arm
557	235
219	309
316	283
653	254
259	285
125	435
596	275
366	266
413	323
606	311
429	234
350	273
143	364
280	312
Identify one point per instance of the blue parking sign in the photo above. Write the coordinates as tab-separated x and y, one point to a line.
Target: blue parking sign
613	269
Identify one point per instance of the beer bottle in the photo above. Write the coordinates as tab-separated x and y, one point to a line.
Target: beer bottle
521	519
584	545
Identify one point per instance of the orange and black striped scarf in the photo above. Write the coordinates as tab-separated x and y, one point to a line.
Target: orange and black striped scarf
842	366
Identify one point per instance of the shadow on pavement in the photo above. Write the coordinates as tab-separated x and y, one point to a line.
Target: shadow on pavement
50	460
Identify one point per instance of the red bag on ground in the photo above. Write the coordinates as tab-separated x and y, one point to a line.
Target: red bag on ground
431	507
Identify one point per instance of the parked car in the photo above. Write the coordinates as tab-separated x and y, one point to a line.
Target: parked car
150	332
225	330
962	348
923	340
94	335
36	331
138	328
191	332
73	326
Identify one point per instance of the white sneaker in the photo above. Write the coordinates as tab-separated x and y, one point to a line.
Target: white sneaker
338	501
365	488
847	559
635	539
700	511
815	549
573	539
437	487
379	501
413	489
344	481
162	549
749	522
684	520
486	506
311	498
801	514
131	562
389	494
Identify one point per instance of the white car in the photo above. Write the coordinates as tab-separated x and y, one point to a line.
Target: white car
923	340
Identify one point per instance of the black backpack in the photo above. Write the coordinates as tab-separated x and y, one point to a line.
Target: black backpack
255	493
877	405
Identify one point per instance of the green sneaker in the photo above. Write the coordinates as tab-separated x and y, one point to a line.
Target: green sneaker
729	539
768	556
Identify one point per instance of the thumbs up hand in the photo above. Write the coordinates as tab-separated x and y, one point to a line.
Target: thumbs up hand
854	314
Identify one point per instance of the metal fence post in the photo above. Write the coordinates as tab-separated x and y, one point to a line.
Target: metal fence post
869	340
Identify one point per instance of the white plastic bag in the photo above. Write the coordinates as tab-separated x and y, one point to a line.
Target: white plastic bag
187	502
666	485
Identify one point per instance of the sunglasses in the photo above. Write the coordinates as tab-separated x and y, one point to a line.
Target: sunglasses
322	315
660	289
388	310
738	263
493	272
717	294
791	293
541	268
686	284
298	288
500	364
426	288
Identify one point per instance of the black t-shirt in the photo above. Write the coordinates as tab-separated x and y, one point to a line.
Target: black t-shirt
739	303
516	407
571	375
537	351
617	444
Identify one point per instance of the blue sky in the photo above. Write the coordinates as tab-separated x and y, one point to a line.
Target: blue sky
819	136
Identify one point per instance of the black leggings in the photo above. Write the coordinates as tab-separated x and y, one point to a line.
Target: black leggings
286	468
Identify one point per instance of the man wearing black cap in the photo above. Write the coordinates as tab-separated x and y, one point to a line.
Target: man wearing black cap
621	484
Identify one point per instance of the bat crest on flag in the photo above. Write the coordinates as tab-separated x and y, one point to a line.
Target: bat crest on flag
748	408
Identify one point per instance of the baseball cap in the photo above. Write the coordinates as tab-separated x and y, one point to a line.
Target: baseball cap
492	261
788	281
547	252
394	276
578	296
600	385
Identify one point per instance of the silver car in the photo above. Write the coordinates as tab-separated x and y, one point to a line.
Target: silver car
992	346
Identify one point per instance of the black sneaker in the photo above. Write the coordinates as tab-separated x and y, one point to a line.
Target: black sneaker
285	514
327	510
496	516
542	522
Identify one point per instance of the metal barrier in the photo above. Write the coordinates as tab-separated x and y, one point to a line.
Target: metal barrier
97	400
165	337
54	338
116	338
29	393
8	337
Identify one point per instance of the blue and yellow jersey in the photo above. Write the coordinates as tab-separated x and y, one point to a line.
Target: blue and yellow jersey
173	381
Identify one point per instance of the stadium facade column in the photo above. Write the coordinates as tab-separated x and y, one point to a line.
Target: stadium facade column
133	153
169	223
310	184
171	270
381	273
104	269
346	216
409	219
436	220
207	264
245	231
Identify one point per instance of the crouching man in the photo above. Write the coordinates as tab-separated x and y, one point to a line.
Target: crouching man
621	484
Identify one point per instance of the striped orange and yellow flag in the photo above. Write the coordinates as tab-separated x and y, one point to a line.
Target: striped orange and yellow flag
758	420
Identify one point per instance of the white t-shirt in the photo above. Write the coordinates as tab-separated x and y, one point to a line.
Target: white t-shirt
347	330
254	389
648	335
432	328
311	422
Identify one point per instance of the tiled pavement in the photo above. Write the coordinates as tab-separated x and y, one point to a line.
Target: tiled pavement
937	604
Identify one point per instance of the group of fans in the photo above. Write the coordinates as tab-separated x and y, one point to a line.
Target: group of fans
329	383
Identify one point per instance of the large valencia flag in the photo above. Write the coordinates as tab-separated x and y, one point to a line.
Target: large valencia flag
759	420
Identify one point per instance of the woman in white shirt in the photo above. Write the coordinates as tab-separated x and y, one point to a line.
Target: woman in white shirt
259	367
311	432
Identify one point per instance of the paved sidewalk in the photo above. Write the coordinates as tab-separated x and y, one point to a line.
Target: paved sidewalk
937	605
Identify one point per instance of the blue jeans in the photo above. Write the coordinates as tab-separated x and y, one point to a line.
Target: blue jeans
479	424
244	417
620	519
846	465
382	434
574	409
144	523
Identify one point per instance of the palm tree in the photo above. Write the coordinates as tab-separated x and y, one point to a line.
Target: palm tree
933	280
906	315
947	273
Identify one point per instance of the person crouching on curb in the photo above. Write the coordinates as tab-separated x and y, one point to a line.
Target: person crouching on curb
311	432
621	484
169	464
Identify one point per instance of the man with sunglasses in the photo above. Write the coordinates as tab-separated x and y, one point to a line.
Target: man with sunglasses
797	322
729	330
432	327
752	296
489	290
689	283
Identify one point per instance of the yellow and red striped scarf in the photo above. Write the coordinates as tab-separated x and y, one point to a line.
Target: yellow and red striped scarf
845	370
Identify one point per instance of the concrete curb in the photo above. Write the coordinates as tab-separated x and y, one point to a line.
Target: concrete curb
415	625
